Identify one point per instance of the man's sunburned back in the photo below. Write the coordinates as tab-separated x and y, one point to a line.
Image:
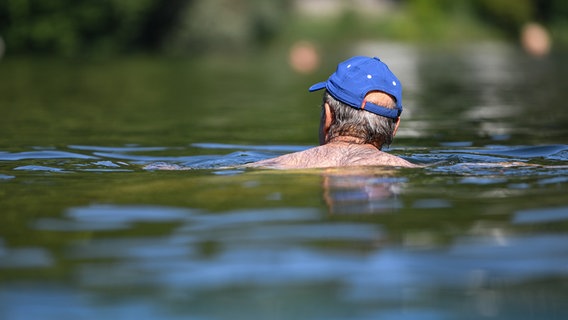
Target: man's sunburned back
337	154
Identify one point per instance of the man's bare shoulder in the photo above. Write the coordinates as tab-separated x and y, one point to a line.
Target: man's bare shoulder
379	158
334	156
311	158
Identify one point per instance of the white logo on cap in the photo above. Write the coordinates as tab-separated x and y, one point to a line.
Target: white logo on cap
394	83
369	76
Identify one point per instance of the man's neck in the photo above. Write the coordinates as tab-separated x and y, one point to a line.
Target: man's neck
341	140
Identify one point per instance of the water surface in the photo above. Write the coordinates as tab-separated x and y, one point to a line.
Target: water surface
91	227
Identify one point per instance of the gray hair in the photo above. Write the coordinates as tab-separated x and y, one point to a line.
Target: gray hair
368	127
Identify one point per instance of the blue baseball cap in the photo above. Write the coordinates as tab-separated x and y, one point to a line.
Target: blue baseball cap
354	78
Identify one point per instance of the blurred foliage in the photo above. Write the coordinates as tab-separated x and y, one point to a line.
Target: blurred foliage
80	27
436	22
219	25
510	15
71	27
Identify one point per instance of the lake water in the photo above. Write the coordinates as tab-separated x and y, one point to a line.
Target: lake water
91	228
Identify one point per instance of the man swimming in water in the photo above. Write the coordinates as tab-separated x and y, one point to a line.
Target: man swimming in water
361	108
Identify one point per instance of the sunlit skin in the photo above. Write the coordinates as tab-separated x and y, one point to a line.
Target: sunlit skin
339	151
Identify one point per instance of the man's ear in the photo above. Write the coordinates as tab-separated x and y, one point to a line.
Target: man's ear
326	119
396	123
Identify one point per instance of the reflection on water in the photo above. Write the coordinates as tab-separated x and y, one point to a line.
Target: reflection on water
93	226
361	190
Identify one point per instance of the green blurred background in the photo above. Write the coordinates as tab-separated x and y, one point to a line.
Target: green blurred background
85	28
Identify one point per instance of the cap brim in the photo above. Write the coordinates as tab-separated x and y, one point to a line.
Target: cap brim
317	86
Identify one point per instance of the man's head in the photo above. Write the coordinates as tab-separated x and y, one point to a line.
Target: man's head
339	121
362	100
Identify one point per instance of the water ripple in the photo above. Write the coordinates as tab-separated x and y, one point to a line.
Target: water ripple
117	149
111	217
541	215
51	154
39	168
272	148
